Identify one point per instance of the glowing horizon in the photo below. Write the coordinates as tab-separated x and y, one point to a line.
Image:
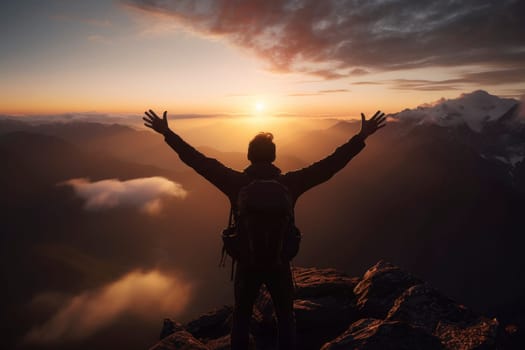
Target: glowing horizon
128	56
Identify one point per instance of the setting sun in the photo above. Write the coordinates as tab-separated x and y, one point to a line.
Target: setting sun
259	106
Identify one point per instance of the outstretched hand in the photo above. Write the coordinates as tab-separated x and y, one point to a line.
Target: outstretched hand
368	127
153	121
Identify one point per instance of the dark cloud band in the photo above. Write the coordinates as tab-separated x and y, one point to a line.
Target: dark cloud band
493	77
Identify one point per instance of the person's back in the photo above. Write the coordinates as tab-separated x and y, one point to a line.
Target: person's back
264	212
264	220
261	259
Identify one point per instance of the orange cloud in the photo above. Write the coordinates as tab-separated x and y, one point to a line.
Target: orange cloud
137	293
143	193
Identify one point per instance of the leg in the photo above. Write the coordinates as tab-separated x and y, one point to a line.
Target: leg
280	286
246	289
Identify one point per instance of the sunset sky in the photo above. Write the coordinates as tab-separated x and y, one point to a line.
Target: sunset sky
261	57
107	230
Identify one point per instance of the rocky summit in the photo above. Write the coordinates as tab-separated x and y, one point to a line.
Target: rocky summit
387	308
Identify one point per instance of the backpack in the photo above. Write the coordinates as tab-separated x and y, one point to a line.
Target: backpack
261	230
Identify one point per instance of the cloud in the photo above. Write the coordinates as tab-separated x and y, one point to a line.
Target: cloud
493	77
359	71
333	91
337	38
137	293
318	93
143	193
367	83
425	85
99	39
417	84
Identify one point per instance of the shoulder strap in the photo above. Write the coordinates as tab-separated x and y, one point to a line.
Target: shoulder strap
231	224
222	263
231	218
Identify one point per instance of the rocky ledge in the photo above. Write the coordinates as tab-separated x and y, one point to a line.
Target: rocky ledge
387	308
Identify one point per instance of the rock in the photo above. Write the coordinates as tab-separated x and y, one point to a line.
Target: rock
374	334
263	323
381	285
480	334
456	326
315	282
324	298
180	340
212	325
423	306
324	307
387	309
169	327
222	343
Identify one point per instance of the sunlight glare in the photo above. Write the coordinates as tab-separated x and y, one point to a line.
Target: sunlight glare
259	106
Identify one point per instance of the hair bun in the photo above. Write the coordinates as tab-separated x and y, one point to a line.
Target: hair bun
262	148
266	135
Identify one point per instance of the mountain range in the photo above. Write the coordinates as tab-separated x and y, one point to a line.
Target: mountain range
440	192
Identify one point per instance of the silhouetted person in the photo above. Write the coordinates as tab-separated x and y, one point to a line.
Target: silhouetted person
261	153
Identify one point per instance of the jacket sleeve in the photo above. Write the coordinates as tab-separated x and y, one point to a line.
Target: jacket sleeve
304	179
211	169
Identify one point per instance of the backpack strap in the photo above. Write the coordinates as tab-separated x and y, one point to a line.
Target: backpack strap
222	262
231	218
293	278
224	255
233	269
230	224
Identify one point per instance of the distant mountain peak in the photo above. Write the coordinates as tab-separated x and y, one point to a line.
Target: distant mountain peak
474	109
476	94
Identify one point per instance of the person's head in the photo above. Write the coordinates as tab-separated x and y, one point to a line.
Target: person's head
261	148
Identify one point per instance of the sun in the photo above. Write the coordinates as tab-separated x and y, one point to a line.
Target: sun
259	106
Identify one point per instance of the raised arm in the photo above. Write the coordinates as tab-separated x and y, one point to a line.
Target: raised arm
211	169
302	180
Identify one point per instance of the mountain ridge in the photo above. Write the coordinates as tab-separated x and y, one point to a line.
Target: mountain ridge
475	109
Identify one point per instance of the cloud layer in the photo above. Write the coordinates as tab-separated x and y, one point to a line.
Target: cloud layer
144	193
336	38
494	77
139	293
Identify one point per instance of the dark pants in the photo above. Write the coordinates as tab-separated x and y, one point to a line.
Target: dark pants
248	281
